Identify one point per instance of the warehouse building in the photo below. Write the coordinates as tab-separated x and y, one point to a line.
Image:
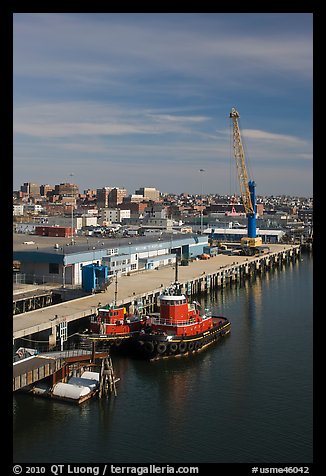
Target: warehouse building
235	234
62	264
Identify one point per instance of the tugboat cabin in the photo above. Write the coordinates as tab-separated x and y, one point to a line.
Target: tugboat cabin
178	317
111	320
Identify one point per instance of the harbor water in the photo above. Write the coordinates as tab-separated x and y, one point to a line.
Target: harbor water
245	399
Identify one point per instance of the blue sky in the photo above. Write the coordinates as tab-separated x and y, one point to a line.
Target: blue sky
143	99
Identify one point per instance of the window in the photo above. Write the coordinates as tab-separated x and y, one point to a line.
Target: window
54	268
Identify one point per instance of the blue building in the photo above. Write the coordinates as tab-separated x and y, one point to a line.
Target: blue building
94	277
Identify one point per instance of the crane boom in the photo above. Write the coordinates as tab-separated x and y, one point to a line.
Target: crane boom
247	188
241	165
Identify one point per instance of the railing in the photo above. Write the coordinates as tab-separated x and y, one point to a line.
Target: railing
29	278
168	322
42	348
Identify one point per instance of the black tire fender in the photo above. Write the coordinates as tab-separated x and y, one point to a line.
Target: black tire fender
161	347
173	347
191	346
197	345
149	346
182	346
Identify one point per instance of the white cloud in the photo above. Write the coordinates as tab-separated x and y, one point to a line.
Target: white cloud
257	136
272	137
182	119
92	119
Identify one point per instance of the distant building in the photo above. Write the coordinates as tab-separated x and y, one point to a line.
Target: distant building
155	211
78	222
32	189
306	214
69	201
149	193
224	208
260	209
90	192
46	189
102	195
116	196
26	228
136	209
54	208
114	215
18	210
67	190
156	219
33	208
54	231
133	199
235	234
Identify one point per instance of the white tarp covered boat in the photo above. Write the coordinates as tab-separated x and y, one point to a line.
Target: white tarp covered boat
77	389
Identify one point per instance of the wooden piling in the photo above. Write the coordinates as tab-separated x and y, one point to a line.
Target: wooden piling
107	378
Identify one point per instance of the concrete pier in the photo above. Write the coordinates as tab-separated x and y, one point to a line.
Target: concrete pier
29	298
144	288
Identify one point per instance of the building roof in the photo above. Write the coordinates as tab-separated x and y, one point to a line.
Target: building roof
243	231
60	250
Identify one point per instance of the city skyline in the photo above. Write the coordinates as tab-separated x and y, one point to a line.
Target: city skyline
133	192
125	100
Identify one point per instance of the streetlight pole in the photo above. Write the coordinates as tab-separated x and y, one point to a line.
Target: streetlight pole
72	213
201	210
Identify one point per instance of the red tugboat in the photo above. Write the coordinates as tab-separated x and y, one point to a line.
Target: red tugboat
113	326
179	328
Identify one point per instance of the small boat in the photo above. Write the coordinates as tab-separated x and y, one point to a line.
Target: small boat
178	329
77	389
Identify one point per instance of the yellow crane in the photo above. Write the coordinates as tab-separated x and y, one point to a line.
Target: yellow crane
247	188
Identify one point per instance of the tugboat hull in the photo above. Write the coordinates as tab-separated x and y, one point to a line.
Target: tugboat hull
117	343
158	346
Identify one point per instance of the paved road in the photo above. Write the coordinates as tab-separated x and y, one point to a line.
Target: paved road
129	287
